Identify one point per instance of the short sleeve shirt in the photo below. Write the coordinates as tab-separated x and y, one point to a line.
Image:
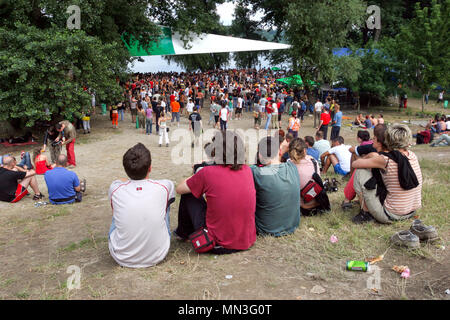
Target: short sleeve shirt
61	184
141	237
277	198
8	183
231	198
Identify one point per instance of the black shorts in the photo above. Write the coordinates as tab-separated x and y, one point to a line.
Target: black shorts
279	116
216	119
238	110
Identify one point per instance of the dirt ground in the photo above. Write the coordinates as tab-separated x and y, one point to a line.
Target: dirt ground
38	245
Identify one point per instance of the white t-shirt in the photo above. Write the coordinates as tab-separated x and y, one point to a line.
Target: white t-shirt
448	125
318	106
240	101
141	237
274	109
322	146
190	107
344	156
223	114
163	105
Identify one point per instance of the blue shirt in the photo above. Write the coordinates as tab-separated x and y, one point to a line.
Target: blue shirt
313	153
303	106
61	184
337	119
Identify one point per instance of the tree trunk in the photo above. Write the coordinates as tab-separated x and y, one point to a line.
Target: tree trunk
423	105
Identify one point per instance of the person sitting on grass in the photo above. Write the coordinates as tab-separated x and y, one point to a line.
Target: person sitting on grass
339	155
424	137
276	215
41	162
63	185
308	169
229	210
394	191
362	151
321	145
14	181
139	236
311	151
284	147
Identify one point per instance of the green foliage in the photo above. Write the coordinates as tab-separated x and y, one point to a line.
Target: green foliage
49	69
313	34
44	66
242	26
421	47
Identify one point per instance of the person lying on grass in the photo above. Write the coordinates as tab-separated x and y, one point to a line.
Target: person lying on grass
394	191
139	236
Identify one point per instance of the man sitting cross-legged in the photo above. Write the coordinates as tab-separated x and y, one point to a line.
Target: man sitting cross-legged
339	155
63	185
139	236
277	191
15	180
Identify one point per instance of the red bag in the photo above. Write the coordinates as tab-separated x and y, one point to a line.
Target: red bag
201	241
310	191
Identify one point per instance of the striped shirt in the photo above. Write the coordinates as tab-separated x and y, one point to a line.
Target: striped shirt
398	200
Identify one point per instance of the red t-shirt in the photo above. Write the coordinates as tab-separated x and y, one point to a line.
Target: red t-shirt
326	118
172	98
231	204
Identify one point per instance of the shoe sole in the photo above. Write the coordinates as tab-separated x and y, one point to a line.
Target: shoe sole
409	245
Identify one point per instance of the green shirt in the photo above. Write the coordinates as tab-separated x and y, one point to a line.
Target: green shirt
277	198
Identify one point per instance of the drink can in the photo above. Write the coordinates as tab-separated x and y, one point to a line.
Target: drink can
358	266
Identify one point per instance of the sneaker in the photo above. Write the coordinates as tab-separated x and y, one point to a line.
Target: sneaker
425	233
362	217
83	185
160	144
167	144
406	239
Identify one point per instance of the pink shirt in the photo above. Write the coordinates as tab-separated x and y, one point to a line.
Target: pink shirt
231	204
305	171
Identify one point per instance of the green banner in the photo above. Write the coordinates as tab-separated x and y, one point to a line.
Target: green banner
162	47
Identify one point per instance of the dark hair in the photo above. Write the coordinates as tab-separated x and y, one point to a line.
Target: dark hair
339	139
230	149
378	132
319	134
309	140
58	126
289	137
363	135
136	162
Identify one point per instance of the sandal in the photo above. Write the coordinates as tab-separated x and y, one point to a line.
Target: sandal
326	185
38	196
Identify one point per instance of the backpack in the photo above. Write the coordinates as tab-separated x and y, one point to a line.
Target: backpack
314	189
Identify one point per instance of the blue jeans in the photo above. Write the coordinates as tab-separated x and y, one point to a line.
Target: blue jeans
26	161
113	224
269	117
148	125
121	113
175	115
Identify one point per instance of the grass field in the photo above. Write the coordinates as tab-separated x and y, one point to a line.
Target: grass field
38	245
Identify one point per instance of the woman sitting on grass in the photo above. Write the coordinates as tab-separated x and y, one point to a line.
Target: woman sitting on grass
394	192
41	162
307	167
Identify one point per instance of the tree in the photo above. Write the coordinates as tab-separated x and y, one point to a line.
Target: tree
243	27
44	67
313	34
421	47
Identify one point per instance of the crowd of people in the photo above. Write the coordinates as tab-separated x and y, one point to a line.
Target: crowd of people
230	203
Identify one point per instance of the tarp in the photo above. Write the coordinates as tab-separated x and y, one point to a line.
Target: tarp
296	80
170	43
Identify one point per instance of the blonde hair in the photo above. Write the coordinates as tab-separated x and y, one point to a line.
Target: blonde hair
398	136
297	149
